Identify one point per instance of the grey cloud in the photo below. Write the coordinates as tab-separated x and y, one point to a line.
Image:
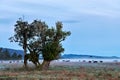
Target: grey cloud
71	21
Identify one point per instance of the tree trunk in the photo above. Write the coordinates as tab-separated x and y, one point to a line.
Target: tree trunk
25	48
25	60
45	65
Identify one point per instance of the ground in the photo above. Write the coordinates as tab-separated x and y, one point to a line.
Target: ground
62	71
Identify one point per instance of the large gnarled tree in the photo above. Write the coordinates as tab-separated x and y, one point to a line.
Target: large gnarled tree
38	38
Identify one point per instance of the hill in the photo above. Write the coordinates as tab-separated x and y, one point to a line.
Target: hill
65	56
76	56
11	51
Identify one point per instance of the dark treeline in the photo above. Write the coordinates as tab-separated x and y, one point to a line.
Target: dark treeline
6	55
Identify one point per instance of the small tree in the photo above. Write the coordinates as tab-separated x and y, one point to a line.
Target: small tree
19	56
6	54
1	50
14	56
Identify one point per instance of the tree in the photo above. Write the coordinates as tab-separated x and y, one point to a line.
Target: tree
14	55
19	56
6	54
40	39
53	47
36	42
1	50
22	34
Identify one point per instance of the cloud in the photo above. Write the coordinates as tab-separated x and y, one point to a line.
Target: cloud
92	21
71	21
103	8
60	9
69	11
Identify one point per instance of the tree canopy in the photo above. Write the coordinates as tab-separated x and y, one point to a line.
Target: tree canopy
38	38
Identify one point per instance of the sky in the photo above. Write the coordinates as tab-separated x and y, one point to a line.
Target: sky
94	24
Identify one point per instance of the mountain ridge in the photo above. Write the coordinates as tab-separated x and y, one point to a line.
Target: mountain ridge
74	56
11	51
65	56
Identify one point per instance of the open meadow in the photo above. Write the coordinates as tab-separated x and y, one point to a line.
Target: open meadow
62	71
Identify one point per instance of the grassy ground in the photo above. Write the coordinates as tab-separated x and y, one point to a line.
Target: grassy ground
64	71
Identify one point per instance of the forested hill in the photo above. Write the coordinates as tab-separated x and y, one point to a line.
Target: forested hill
11	51
10	54
65	56
77	56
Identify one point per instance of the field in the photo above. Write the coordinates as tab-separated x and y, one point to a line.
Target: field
62	71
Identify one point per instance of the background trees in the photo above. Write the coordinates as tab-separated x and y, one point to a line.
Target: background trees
37	38
6	55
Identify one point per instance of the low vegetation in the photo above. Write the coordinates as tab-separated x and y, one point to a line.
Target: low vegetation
65	72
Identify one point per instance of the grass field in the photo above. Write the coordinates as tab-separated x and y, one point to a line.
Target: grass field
63	71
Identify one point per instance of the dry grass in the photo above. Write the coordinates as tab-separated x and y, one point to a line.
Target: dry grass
65	71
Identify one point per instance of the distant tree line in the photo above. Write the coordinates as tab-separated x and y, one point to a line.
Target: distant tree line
6	55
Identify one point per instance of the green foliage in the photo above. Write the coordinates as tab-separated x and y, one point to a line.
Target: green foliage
53	47
51	50
38	38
